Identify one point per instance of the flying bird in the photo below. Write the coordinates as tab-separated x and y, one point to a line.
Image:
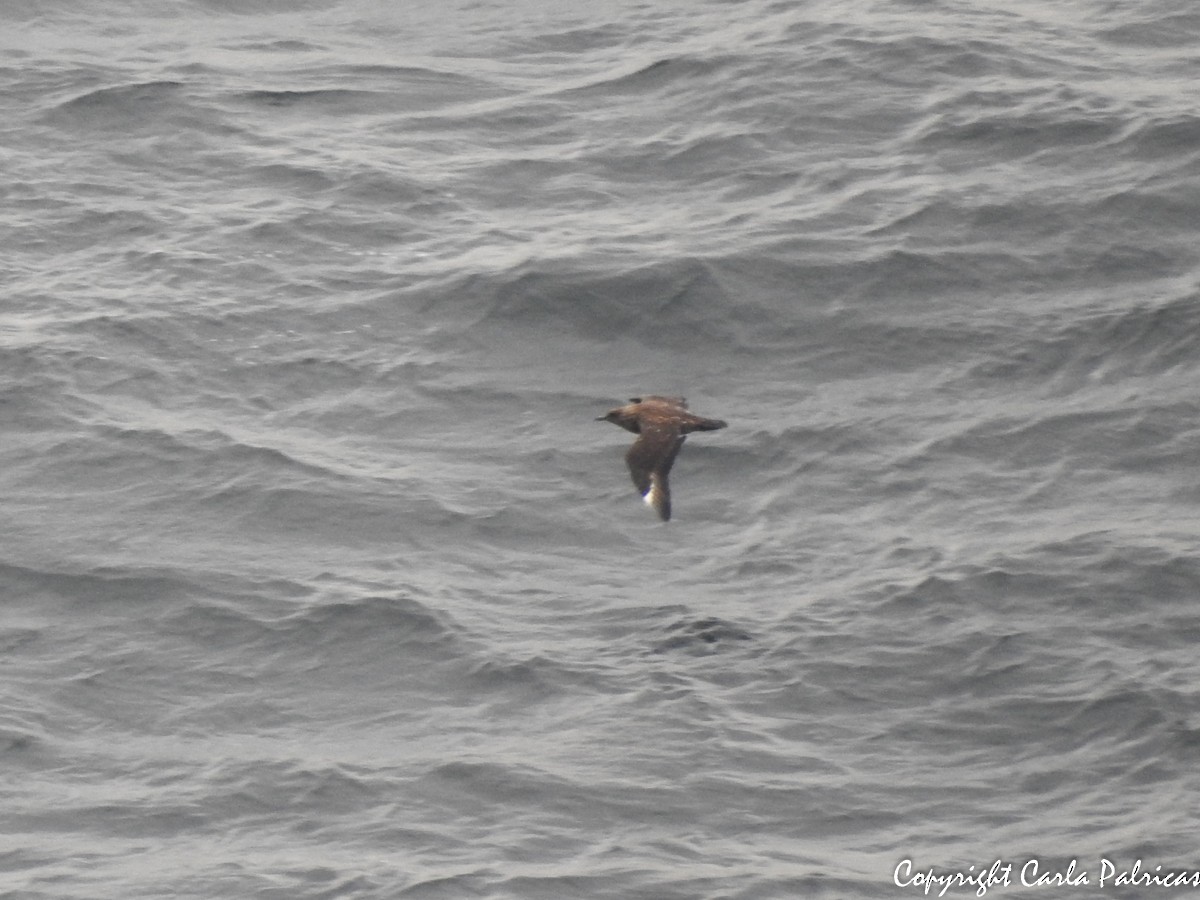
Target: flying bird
661	424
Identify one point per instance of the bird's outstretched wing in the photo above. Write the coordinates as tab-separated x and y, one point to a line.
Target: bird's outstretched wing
649	460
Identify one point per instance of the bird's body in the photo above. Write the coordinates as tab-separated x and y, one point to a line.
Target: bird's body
661	424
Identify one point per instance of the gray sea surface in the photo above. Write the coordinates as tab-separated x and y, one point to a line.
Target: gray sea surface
319	579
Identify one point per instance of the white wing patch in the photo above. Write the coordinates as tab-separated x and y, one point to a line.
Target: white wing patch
656	497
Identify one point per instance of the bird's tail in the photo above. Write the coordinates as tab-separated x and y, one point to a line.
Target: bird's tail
699	423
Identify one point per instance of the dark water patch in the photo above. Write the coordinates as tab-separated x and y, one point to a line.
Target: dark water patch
1008	135
16	638
296	180
399	73
1133	596
105	589
475	883
281	46
38	400
256	665
518	686
367	623
674	303
107	225
1148	582
251	788
1157	32
373	186
1171	139
121	108
222	450
234	796
264	7
561	179
939	603
121	463
570	41
700	636
992	589
325	100
1129	263
149	818
938	272
851	320
377	90
125	678
1020	219
223	625
1063	630
294	381
1022	444
1152	215
995	682
120	97
314	512
767	564
1123	714
906	59
663	76
505	789
1135	339
466	784
20	745
706	156
134	335
679	304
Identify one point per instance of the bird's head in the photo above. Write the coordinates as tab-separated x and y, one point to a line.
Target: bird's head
625	416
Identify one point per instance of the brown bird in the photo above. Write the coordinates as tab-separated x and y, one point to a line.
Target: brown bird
660	424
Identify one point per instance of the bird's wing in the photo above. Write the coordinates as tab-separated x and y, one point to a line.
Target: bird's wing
650	459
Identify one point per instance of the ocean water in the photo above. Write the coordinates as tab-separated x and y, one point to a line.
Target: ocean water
318	578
